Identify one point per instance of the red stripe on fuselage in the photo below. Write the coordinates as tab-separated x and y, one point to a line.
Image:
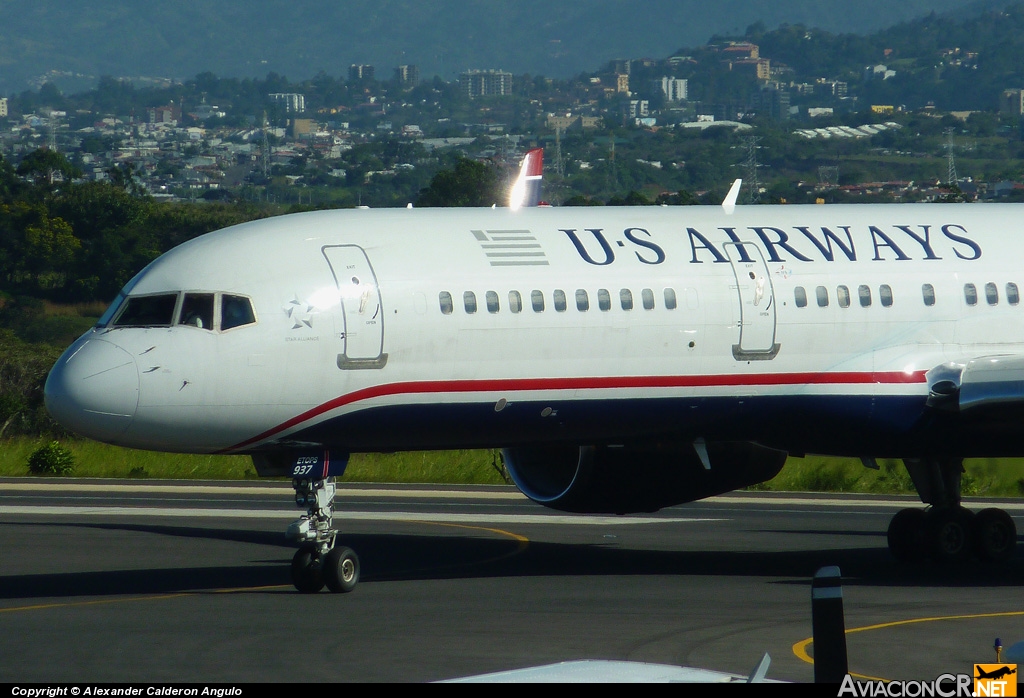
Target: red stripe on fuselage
599	383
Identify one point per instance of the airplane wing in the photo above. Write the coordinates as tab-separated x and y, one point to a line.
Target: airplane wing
605	671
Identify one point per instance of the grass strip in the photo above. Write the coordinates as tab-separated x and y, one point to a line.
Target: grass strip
992	477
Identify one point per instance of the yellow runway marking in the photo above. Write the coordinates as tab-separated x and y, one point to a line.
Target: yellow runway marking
98	602
800	648
522	542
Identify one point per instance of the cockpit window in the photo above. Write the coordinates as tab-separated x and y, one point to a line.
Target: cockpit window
147	311
235	311
197	311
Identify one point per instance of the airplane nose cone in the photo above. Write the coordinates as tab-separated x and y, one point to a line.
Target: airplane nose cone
93	389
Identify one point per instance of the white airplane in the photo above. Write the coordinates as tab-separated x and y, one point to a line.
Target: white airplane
624	359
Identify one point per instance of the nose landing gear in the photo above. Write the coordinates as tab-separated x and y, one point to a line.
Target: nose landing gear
318	561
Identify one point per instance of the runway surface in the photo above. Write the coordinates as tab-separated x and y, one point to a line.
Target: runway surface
152	581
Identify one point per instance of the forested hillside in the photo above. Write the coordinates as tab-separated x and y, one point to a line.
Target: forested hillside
557	38
951	62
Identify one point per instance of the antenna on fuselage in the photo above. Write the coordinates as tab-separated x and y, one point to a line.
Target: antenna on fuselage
729	204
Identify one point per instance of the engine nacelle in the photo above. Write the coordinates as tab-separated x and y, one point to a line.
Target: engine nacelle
636	478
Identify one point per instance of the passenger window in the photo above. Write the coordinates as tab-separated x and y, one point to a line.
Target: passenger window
626	299
1012	294
991	293
604	299
670	299
648	298
801	297
582	300
445	300
469	299
928	292
885	295
147	311
970	294
843	296
492	302
197	310
864	294
559	301
515	301
537	299
236	311
822	295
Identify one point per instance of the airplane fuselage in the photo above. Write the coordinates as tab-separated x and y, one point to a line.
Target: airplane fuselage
802	328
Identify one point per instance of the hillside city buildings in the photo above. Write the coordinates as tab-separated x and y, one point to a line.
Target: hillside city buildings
291	103
181	149
485	83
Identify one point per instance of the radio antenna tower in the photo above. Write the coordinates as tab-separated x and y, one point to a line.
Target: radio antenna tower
51	139
558	152
611	162
751	166
951	178
265	154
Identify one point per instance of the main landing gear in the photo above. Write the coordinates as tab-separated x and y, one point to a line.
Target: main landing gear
319	561
946	532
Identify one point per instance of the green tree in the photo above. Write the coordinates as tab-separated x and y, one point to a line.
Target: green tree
469	183
680	198
51	96
9	182
37	250
633	198
23	370
116	241
125	176
50	248
580	200
43	165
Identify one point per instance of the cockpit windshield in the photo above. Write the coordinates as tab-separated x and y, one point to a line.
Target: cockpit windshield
197	310
211	311
235	311
147	311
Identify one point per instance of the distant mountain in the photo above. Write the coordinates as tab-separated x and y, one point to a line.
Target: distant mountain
298	38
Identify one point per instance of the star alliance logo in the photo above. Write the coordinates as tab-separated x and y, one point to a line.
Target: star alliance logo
299	312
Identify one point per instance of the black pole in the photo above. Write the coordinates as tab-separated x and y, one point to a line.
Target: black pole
828	626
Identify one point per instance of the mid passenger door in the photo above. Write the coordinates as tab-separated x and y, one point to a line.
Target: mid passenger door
362	312
756	298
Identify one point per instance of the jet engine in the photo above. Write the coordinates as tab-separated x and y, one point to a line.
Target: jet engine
636	478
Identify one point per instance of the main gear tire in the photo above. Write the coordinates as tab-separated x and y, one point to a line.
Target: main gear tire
340	569
995	536
306	574
906	535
